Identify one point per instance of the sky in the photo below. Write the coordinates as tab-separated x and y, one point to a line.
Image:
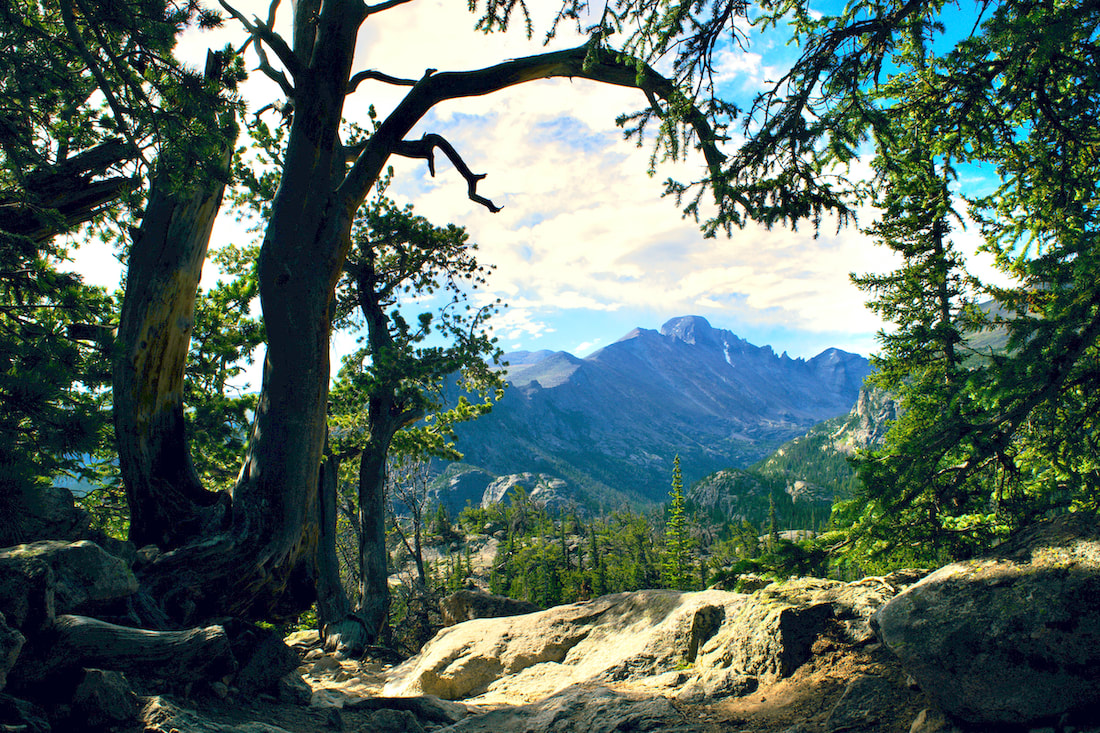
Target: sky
585	248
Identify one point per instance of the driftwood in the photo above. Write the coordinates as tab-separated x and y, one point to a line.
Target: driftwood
77	641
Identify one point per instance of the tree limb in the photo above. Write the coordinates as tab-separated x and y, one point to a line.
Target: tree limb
105	87
70	189
425	148
583	62
386	5
262	32
363	76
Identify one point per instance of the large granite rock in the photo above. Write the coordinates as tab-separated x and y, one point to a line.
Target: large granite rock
715	643
163	714
27	588
85	576
1009	638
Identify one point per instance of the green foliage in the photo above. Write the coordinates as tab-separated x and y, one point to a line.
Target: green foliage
399	257
223	340
987	442
813	459
53	367
676	567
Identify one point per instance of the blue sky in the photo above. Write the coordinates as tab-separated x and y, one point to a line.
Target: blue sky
585	248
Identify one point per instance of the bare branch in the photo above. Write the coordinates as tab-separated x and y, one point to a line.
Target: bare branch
372	9
583	61
425	148
363	76
262	32
271	73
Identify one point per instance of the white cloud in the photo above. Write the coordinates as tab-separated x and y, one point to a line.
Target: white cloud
583	225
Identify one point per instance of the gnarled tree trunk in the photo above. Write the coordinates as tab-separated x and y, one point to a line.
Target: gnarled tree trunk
168	504
165	494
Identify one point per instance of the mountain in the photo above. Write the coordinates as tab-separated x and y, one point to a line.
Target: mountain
814	468
609	425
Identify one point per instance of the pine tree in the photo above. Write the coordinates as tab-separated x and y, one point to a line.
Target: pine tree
677	568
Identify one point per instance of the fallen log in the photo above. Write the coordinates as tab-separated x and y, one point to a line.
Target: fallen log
75	642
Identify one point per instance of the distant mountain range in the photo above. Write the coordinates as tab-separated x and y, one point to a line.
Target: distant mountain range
807	473
603	430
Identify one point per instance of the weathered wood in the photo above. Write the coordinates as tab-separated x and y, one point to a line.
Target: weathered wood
164	491
168	504
68	194
74	642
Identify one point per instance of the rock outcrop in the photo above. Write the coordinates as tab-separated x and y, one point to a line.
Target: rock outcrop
583	708
1009	638
714	642
85	577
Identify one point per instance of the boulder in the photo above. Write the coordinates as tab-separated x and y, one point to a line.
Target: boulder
20	715
54	515
395	721
770	635
263	656
618	636
104	699
1010	638
86	577
931	720
11	642
161	714
424	707
292	689
465	605
26	591
861	706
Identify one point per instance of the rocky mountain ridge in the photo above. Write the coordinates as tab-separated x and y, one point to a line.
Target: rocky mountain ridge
609	425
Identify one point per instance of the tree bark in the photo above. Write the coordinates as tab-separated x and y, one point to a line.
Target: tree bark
256	568
374	591
332	600
341	630
262	566
158	311
70	190
77	641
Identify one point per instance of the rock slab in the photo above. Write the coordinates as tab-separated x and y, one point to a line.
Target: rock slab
716	643
1010	638
582	709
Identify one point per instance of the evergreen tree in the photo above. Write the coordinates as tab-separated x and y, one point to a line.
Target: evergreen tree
677	568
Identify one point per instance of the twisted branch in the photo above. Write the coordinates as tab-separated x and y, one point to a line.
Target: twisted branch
425	148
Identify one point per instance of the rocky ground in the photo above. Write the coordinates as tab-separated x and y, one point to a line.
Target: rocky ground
1009	642
813	698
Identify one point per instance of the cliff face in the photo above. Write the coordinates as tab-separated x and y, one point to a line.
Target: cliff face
611	423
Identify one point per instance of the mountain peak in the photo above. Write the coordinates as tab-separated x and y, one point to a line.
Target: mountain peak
690	329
